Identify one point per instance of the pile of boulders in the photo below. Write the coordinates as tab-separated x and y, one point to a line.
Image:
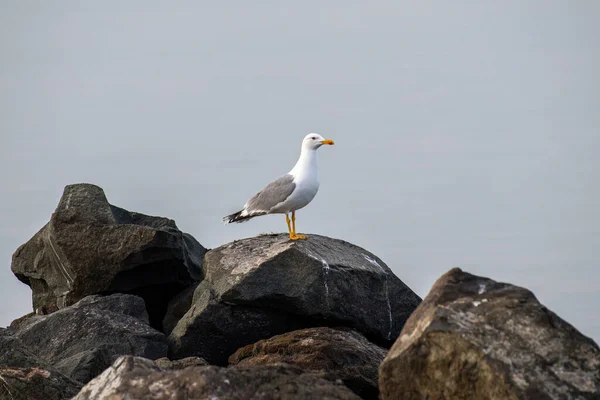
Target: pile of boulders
128	306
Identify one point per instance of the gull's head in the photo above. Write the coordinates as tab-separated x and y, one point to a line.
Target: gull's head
313	141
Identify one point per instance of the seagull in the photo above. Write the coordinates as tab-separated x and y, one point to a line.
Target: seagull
290	192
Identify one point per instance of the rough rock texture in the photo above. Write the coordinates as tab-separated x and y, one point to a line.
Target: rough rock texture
91	247
277	285
82	340
214	330
474	338
342	352
165	363
142	379
25	377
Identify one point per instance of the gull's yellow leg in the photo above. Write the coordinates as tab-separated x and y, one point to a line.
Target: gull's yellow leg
294	235
287	219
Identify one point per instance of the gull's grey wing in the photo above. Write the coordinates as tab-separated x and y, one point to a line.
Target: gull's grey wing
273	194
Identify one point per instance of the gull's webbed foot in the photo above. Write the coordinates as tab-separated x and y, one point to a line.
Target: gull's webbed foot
296	236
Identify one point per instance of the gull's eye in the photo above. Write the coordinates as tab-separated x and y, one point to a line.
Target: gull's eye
314	138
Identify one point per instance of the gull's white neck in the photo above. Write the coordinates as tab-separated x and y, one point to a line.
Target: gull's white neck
306	167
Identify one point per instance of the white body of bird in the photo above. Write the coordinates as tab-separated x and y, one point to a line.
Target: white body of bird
306	179
289	193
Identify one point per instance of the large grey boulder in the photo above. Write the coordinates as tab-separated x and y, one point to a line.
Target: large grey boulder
135	378
91	247
474	338
344	353
259	287
23	376
84	339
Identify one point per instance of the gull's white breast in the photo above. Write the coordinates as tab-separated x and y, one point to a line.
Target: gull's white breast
307	186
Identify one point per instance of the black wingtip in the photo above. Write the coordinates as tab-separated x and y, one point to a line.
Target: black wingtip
236	217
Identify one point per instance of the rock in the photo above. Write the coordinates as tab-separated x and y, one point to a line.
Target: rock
16	322
278	285
165	363
35	384
137	378
474	338
177	308
25	377
342	352
92	247
214	330
84	339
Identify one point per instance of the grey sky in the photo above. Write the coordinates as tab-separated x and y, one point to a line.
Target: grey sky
466	135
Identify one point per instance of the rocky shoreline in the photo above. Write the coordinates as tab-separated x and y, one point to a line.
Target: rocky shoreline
126	306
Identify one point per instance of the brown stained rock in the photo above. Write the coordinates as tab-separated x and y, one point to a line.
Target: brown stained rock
91	247
342	352
165	363
136	378
23	376
474	338
18	321
35	384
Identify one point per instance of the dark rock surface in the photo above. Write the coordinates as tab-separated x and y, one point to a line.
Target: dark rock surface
177	307
82	340
91	247
343	353
23	376
268	285
214	330
474	338
137	378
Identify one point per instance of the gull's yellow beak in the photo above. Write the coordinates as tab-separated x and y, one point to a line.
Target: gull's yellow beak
327	141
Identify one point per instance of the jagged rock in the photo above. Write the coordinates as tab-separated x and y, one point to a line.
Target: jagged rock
343	352
165	363
92	247
82	340
25	377
280	285
474	338
136	378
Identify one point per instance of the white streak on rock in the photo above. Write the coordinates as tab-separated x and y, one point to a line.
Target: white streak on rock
481	288
325	274
64	267
68	202
387	293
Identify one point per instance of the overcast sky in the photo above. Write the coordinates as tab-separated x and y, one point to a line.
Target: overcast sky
466	134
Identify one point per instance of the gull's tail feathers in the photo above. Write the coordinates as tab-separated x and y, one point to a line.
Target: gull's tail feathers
241	216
